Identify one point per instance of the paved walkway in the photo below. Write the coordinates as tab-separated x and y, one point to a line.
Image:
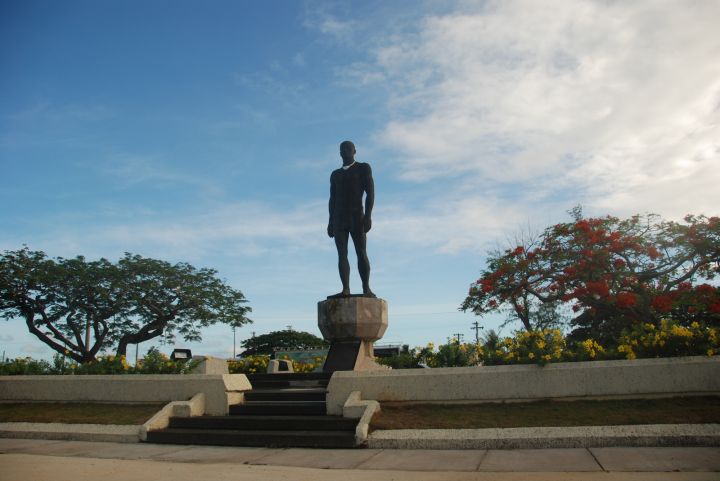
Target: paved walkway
40	460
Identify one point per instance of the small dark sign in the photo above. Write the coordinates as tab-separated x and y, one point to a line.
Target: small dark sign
181	355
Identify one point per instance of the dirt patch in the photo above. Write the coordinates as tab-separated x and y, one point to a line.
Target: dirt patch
687	410
78	413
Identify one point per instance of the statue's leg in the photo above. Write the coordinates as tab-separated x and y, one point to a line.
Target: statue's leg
359	240
341	242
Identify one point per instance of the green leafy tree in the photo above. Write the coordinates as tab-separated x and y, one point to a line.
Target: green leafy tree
606	274
287	339
79	307
405	359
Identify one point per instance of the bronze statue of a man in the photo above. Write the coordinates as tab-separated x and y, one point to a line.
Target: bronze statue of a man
347	218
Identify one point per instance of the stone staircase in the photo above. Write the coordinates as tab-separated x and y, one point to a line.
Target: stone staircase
282	410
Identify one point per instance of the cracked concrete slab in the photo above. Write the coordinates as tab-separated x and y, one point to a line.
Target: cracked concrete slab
543	460
658	459
214	454
425	460
317	458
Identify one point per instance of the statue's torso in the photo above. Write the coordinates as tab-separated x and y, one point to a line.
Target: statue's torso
349	186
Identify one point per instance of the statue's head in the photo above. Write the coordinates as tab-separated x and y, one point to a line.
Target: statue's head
347	150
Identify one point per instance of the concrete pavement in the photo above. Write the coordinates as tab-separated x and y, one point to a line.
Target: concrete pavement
39	460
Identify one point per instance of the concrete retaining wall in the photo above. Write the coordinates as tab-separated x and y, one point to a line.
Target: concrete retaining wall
597	379
220	390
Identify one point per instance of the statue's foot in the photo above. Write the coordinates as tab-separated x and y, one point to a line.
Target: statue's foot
344	293
368	293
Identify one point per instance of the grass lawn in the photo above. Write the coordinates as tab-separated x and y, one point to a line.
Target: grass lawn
77	413
690	410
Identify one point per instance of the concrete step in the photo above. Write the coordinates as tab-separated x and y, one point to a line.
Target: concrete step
292	376
266	423
279	408
287	383
287	394
226	437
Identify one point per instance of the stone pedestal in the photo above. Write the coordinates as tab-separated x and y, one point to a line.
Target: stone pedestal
352	325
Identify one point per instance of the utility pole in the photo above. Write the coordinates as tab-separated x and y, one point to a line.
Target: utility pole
458	337
233	342
289	327
476	326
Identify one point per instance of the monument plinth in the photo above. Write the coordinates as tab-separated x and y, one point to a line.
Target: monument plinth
352	325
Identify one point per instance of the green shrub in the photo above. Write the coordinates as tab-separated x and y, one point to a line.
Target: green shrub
156	362
24	366
455	354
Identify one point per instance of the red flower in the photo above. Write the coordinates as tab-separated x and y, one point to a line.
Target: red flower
705	289
684	286
570	271
599	288
625	300
583	225
662	303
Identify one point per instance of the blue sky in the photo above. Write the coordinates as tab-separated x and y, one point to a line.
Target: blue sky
206	132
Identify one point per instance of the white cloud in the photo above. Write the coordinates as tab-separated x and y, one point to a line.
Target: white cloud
240	229
299	59
449	225
620	100
139	169
319	17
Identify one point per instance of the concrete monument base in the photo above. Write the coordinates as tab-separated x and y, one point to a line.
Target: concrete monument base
352	325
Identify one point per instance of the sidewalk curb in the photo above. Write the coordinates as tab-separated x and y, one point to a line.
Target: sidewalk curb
72	432
655	435
651	435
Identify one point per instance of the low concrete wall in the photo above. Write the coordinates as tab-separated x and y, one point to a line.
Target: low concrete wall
109	433
666	435
597	379
220	390
178	409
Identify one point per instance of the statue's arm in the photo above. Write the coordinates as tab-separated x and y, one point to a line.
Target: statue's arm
331	208
369	198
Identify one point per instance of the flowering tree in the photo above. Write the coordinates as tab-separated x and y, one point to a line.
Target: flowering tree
606	274
80	307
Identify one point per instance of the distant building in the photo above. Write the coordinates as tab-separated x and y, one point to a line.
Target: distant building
386	350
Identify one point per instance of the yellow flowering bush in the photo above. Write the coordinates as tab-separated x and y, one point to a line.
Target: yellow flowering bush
108	364
669	339
531	347
587	350
308	366
249	365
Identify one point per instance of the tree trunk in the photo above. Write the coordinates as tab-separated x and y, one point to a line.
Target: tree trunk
146	333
